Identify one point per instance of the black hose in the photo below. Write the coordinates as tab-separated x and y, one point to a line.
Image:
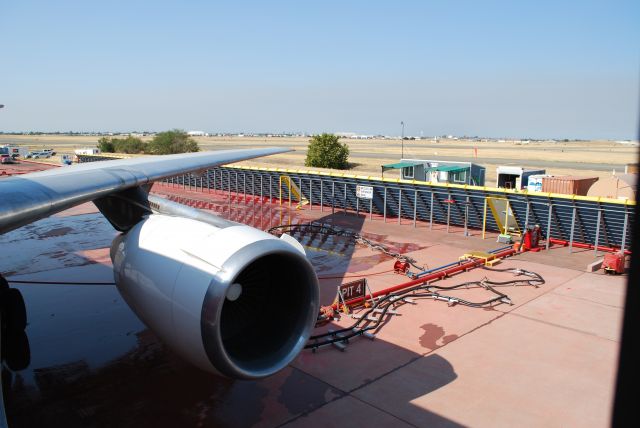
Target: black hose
422	291
329	230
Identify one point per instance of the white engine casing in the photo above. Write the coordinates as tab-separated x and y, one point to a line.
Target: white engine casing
175	274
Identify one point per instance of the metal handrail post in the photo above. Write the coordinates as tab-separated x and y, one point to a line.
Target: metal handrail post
431	212
345	198
484	219
384	209
573	225
399	206
595	247
624	229
333	197
549	226
415	206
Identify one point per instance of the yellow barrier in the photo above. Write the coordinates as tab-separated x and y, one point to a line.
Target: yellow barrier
442	185
293	191
510	223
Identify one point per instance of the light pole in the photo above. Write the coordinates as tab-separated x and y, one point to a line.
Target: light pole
402	140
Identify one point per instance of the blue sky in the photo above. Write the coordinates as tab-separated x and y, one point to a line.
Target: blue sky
505	69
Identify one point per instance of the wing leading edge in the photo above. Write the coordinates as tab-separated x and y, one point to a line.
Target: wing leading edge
31	197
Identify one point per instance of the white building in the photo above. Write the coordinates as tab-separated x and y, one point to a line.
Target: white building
88	151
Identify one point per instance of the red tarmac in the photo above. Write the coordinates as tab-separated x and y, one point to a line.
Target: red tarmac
548	360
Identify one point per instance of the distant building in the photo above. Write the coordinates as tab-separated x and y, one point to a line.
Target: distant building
345	134
197	134
437	171
621	186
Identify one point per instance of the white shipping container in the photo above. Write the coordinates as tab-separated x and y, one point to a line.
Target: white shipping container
88	151
535	182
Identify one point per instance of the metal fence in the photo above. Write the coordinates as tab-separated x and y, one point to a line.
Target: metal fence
572	219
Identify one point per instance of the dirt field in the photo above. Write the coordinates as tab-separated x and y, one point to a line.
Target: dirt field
584	158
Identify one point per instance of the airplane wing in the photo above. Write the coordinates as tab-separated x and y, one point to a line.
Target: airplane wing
31	197
202	285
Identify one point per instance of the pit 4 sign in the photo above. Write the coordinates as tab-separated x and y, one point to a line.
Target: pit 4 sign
353	290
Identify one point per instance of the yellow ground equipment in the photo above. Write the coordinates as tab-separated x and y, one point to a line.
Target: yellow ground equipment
294	191
503	216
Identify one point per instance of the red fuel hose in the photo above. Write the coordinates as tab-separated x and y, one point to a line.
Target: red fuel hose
433	276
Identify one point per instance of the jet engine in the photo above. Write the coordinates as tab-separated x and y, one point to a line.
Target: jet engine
233	300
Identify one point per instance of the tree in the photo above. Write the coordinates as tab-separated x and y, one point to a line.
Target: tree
325	151
129	145
121	145
174	141
106	145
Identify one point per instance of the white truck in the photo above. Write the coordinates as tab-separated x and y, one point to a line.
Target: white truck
15	151
40	155
515	177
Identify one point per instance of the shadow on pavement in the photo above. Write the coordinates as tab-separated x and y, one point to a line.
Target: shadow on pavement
92	362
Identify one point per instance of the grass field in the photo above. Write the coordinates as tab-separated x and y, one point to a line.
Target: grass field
584	158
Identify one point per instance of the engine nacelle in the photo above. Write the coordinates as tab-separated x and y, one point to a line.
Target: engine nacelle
232	300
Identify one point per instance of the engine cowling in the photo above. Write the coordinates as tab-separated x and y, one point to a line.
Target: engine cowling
233	300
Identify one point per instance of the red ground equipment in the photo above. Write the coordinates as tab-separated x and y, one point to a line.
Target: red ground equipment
614	262
400	267
531	237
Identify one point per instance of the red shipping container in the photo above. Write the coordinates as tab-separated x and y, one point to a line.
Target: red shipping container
568	185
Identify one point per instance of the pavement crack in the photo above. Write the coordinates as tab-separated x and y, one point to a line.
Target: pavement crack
590	301
588	333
